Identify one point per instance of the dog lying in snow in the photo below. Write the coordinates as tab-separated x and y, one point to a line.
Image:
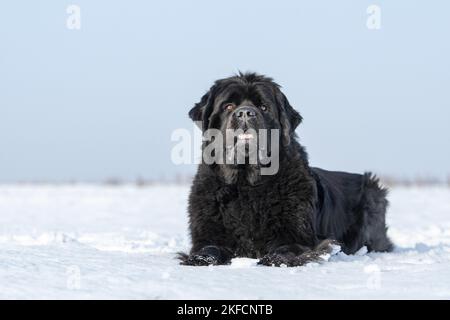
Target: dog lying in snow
290	217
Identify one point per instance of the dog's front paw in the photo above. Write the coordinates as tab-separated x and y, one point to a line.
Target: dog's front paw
198	260
277	260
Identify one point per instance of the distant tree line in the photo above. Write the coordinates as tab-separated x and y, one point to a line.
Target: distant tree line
186	179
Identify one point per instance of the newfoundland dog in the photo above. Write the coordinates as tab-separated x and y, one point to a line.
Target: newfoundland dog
291	213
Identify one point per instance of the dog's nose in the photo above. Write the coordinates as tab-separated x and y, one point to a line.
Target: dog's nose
244	113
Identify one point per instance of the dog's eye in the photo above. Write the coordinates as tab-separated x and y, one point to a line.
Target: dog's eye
263	107
229	106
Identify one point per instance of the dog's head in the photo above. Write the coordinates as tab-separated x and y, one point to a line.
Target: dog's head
247	103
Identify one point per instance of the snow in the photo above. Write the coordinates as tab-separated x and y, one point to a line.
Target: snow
88	241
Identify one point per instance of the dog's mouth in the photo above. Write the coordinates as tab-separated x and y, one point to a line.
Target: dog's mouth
245	137
247	146
246	143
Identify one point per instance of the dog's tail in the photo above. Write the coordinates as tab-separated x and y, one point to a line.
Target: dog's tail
375	204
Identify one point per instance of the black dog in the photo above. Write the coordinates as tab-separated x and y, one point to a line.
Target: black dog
288	218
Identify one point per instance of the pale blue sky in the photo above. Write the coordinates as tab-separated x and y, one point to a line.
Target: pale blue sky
102	101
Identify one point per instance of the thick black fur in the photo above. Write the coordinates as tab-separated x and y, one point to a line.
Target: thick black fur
289	218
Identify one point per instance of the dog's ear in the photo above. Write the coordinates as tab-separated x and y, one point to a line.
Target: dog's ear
198	113
289	118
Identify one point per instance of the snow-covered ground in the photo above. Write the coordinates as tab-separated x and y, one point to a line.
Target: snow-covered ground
87	241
